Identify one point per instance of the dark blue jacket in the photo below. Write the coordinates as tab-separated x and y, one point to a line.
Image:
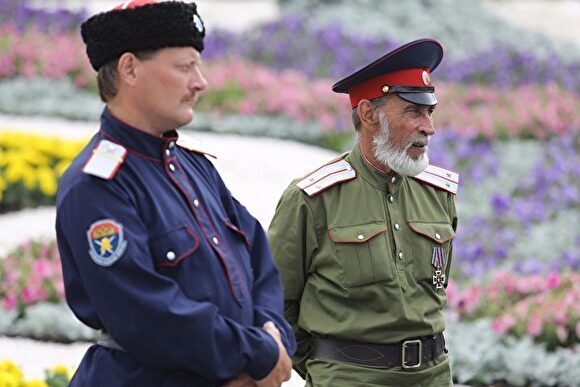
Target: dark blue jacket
169	264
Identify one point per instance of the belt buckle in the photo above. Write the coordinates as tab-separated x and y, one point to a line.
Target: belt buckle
404	346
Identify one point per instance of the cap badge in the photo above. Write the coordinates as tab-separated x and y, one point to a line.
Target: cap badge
426	78
385	89
198	24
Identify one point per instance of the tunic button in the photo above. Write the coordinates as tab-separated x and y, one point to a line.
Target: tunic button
195	203
393	179
172	167
437	236
391	199
167	152
215	240
170	255
400	255
171	144
397	226
360	237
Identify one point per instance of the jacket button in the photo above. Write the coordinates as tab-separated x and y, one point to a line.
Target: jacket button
195	203
215	240
360	237
397	226
171	144
391	199
170	255
400	255
172	167
437	236
167	152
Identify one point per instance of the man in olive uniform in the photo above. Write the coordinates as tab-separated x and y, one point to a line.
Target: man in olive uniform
364	243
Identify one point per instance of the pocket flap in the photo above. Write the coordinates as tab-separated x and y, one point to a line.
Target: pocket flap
171	247
439	232
356	234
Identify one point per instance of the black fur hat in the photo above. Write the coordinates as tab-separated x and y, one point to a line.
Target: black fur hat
141	25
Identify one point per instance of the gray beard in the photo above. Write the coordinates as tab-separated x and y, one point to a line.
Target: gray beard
398	160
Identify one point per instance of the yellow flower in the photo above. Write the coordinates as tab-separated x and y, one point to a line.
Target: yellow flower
60	369
10	374
35	383
46	181
18	171
9	367
9	380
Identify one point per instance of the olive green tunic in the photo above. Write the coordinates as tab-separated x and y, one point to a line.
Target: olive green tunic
356	262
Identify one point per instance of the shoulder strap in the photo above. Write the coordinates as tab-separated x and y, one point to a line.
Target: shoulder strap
194	144
438	177
337	171
106	160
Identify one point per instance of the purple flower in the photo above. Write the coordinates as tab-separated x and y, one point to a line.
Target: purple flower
500	203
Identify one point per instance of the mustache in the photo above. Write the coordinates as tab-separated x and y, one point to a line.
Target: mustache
190	99
419	140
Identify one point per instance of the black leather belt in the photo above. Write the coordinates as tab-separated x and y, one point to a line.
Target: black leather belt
408	354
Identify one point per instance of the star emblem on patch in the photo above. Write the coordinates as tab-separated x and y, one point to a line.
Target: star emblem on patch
106	242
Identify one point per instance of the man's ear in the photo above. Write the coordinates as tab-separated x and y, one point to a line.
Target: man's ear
367	114
126	68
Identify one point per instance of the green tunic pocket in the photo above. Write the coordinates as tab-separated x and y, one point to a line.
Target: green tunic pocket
431	250
362	254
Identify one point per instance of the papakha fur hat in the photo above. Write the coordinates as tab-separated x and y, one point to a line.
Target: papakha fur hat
141	25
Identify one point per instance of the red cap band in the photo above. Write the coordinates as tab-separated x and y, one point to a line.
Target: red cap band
373	88
134	4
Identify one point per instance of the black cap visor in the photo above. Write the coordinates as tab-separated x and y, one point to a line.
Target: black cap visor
416	95
419	98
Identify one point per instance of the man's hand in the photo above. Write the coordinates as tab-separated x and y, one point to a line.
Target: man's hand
244	380
283	368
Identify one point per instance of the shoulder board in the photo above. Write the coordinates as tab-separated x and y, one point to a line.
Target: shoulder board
194	144
337	171
106	160
440	178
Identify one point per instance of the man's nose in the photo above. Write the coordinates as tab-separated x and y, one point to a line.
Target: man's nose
198	82
427	126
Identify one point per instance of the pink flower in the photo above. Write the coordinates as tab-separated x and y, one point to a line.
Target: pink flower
43	268
471	300
553	281
562	333
10	302
535	325
503	324
32	294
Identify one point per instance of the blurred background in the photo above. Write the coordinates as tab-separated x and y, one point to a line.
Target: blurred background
508	121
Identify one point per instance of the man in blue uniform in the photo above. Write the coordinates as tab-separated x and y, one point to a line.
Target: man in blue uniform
155	251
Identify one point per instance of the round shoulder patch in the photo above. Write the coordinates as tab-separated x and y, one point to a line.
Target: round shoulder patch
106	242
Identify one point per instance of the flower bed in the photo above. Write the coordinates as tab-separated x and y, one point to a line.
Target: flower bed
53	54
517	203
23	15
30	167
244	89
11	376
543	307
333	53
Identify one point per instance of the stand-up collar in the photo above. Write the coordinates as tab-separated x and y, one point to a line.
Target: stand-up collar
134	139
372	175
